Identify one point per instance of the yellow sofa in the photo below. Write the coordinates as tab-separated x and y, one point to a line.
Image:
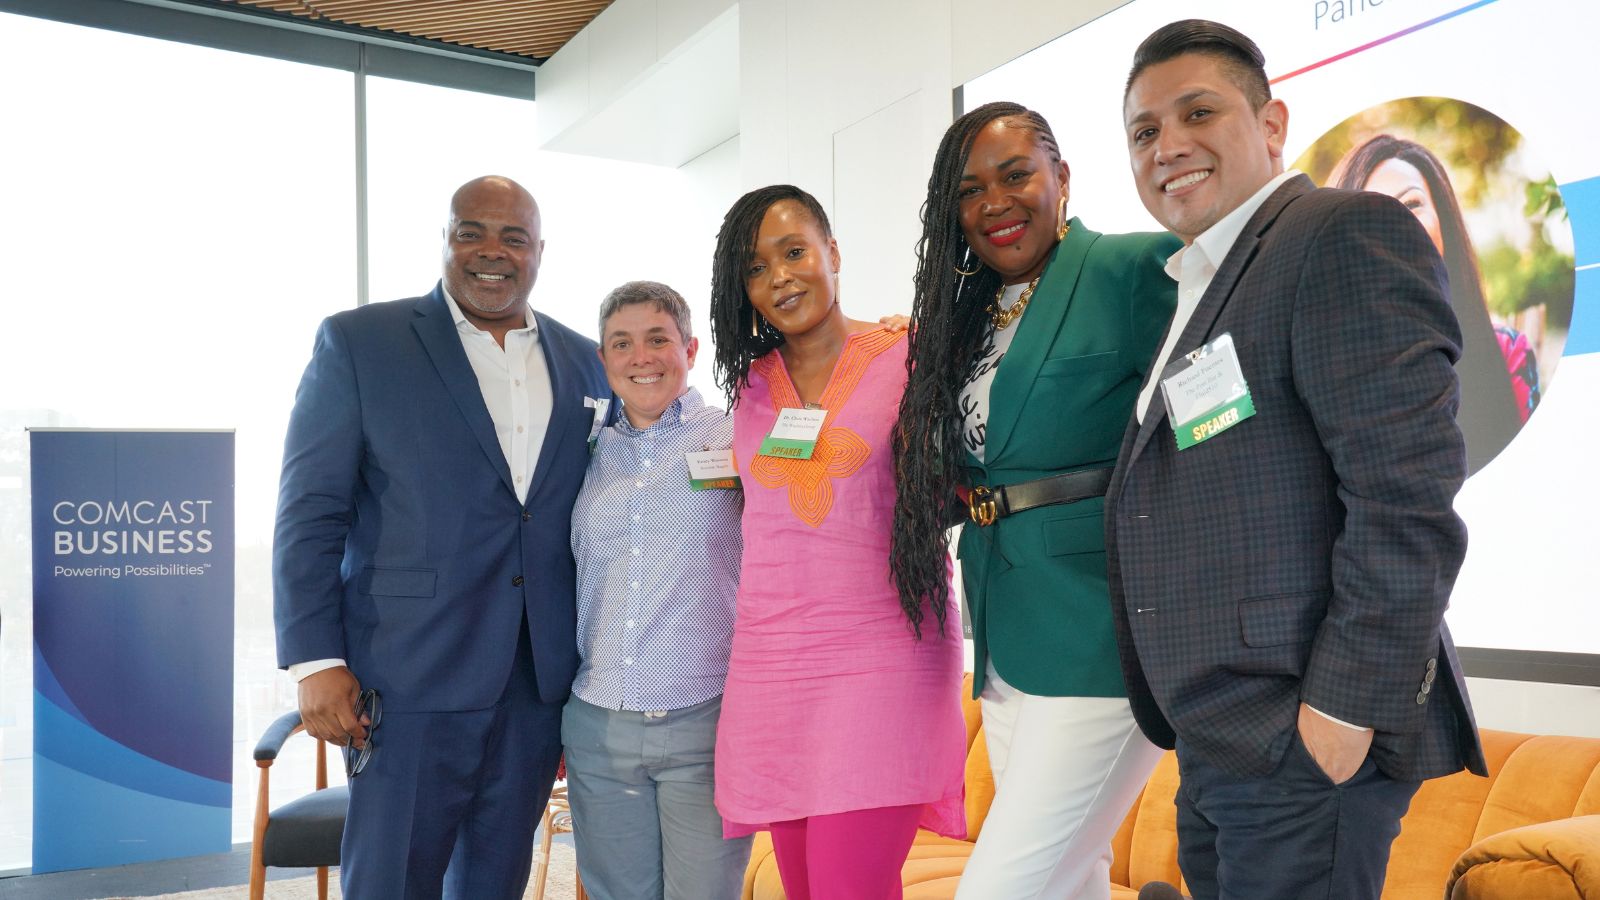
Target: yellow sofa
1531	829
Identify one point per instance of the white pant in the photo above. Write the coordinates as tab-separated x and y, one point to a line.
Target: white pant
1066	771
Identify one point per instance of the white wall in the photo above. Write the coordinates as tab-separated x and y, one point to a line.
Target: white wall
653	81
714	182
1536	708
848	99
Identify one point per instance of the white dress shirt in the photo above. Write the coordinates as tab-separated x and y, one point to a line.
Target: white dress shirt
1193	267
516	388
515	383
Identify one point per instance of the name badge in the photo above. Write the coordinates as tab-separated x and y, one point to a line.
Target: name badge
600	407
795	434
712	470
1206	393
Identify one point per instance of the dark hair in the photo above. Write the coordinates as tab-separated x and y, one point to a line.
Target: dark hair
665	299
1493	418
732	315
1240	57
950	312
1460	259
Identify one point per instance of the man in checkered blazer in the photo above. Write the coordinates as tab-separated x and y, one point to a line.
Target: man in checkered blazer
1279	583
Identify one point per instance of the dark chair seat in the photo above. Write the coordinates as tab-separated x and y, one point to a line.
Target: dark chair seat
305	833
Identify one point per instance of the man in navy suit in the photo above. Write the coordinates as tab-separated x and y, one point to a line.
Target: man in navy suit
422	552
1280	531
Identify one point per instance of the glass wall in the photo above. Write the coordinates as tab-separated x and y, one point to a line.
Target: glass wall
175	220
604	222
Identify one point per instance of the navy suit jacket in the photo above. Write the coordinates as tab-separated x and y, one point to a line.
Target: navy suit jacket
400	545
1307	553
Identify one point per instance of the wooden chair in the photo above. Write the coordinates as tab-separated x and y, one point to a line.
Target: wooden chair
557	819
304	833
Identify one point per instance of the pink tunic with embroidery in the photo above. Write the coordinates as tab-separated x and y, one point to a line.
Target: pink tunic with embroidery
831	704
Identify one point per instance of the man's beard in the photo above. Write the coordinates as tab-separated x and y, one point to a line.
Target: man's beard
484	307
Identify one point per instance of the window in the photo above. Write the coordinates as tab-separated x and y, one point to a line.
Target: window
176	222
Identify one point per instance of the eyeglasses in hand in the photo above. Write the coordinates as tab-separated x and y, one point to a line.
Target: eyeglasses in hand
368	704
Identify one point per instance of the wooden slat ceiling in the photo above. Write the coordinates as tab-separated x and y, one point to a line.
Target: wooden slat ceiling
535	29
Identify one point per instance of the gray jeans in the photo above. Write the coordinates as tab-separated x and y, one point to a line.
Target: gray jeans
643	819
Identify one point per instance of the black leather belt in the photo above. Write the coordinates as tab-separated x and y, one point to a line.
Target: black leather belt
987	505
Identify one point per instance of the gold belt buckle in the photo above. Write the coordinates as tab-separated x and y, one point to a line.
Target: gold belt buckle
981	506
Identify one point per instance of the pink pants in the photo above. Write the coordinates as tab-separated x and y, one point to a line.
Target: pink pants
853	855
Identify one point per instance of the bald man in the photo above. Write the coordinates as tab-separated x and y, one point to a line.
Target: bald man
422	571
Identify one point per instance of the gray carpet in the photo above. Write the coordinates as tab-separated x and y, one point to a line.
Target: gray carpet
222	875
559	884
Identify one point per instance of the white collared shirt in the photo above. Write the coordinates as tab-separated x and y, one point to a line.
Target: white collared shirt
515	383
516	388
1193	267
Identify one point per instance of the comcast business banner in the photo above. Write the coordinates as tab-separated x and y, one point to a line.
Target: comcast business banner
133	646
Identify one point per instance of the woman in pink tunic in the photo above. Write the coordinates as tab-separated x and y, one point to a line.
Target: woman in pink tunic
841	727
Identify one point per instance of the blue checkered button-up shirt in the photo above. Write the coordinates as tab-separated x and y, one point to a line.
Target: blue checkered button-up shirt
658	564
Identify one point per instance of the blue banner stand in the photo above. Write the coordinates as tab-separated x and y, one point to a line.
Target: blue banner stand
133	584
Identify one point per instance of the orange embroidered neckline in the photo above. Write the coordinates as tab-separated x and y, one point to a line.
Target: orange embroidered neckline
859	350
839	452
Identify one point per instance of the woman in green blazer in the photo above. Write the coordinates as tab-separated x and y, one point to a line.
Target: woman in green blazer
1032	338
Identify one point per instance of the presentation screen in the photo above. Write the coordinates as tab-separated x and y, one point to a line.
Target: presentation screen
1480	118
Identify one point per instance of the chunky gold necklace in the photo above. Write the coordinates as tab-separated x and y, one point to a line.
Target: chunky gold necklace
1002	317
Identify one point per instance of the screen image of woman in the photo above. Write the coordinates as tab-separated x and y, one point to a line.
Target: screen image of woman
1490	412
1499	223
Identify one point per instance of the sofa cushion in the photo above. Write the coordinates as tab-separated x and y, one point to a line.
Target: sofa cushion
920	870
937	889
1551	861
1122	842
1441	821
761	859
1589	800
930	845
980	785
1542	780
971	710
1153	847
761	879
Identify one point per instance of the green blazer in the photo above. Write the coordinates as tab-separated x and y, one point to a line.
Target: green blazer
1035	582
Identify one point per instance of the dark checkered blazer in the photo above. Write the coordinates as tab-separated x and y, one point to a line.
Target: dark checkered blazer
1306	554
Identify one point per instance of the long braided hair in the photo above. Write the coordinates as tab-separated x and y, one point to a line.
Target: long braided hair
950	334
736	343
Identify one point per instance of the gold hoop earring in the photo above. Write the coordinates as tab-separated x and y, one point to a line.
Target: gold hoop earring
963	272
1064	225
755	323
